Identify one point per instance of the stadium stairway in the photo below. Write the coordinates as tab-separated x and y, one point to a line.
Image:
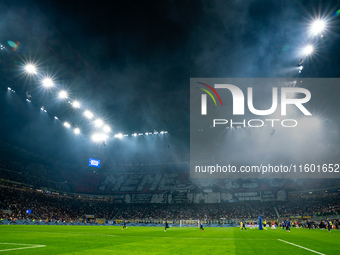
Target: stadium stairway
277	213
114	217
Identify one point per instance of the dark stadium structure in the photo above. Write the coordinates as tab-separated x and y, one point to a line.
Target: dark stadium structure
96	114
148	193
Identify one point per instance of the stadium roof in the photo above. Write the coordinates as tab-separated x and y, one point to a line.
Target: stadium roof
131	63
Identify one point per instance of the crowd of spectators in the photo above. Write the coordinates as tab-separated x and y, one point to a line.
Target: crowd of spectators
17	199
48	206
196	211
325	205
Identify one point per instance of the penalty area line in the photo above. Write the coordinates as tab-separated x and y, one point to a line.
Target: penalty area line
31	246
301	247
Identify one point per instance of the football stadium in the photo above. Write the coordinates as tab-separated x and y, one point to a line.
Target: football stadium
170	127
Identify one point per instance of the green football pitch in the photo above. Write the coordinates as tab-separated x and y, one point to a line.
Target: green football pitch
153	240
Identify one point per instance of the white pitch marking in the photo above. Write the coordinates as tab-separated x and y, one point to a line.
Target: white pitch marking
302	247
30	247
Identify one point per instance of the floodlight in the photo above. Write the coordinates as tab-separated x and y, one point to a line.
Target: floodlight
120	135
134	134
56	117
308	50
66	124
47	82
318	26
107	129
99	137
98	122
76	131
62	94
31	69
76	104
88	114
9	88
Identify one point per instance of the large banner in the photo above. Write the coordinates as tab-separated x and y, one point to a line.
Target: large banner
201	197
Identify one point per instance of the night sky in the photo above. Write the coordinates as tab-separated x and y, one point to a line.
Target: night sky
131	63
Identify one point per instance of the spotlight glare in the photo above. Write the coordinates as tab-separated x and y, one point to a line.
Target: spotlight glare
140	134
88	114
28	100
99	137
66	124
47	82
62	94
76	131
155	133
98	122
318	26
107	128
76	104
30	69
120	136
134	134
56	117
300	68
308	50
9	88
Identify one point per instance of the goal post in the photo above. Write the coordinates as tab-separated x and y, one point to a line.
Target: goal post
189	223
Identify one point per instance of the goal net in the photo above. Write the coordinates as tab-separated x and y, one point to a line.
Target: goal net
189	223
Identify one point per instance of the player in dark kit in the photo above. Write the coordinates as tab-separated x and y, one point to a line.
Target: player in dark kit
288	225
201	226
166	225
124	224
242	225
329	225
283	224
